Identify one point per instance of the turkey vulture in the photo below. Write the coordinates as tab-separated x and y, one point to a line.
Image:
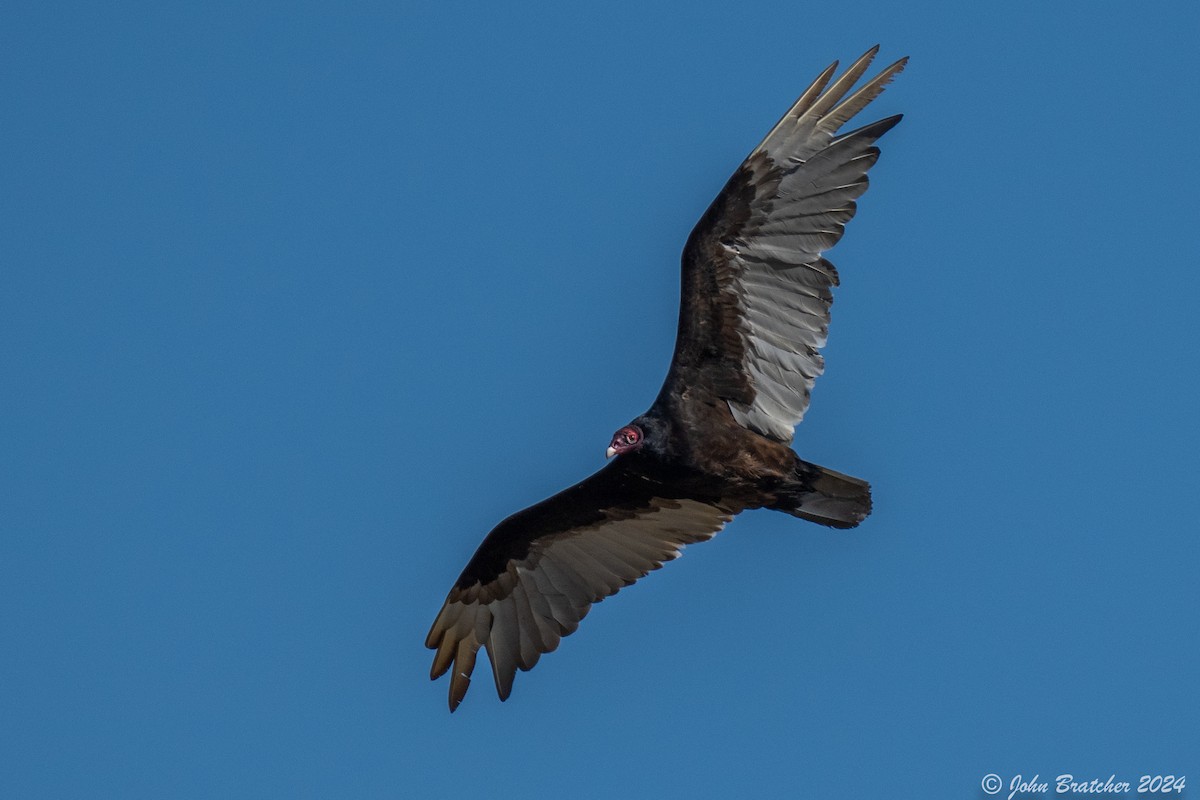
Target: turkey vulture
754	311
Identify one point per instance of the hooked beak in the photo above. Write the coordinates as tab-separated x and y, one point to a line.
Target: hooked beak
610	452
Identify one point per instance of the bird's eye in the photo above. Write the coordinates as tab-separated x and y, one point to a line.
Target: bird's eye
632	436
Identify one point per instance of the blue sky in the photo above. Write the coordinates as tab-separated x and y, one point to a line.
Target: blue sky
298	301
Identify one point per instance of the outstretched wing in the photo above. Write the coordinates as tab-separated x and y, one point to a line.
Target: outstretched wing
538	572
756	290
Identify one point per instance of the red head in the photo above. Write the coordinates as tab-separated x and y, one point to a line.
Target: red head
625	440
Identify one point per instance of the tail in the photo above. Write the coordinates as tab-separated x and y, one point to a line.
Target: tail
825	497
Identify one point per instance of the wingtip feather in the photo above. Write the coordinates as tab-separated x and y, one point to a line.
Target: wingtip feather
842	85
802	104
464	665
835	117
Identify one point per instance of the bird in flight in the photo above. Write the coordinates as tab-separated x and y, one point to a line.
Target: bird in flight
754	312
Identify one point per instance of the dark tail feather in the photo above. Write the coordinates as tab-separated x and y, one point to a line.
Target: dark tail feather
825	497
